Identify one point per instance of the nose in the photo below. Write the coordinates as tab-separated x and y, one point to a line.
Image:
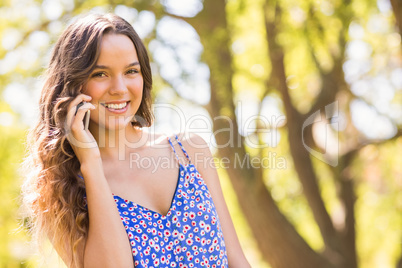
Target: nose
118	86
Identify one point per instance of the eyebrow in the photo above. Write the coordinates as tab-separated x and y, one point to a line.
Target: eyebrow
106	67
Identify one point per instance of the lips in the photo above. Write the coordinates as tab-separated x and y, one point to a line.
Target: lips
116	107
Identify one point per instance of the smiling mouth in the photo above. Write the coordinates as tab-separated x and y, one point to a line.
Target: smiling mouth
116	106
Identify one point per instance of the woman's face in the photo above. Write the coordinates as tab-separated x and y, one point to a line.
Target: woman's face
116	83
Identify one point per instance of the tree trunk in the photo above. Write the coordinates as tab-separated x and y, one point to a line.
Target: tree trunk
277	239
339	248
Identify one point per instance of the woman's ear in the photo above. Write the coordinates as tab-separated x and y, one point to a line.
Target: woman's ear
82	89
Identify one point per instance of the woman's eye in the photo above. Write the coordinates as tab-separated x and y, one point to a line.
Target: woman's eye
100	74
133	71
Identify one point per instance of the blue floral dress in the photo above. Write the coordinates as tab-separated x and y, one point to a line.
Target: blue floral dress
189	235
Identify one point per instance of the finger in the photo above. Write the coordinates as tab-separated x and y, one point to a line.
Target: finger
78	99
78	106
78	135
72	107
73	113
79	117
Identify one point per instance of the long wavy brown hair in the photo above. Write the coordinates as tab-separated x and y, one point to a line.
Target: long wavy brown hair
52	191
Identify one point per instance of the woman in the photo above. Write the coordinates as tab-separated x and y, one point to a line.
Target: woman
89	193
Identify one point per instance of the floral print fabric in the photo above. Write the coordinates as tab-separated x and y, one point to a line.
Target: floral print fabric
189	235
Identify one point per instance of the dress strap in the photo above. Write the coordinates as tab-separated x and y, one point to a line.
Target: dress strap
182	148
171	145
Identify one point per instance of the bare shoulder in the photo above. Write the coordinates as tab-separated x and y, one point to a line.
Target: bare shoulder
196	148
201	156
151	138
195	145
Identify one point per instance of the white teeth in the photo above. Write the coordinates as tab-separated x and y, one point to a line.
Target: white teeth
116	106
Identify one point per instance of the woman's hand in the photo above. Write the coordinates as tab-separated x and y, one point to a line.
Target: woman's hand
81	139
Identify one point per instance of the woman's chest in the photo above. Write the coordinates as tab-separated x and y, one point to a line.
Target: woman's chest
150	185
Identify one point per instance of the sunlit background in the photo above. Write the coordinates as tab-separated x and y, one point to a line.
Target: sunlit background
369	115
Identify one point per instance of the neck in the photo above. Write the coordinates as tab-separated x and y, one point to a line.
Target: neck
116	144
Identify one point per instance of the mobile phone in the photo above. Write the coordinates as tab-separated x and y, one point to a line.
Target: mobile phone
86	116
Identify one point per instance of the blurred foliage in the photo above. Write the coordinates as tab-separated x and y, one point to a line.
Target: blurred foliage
27	31
13	240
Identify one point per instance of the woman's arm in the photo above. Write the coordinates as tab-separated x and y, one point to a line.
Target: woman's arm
107	244
199	153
